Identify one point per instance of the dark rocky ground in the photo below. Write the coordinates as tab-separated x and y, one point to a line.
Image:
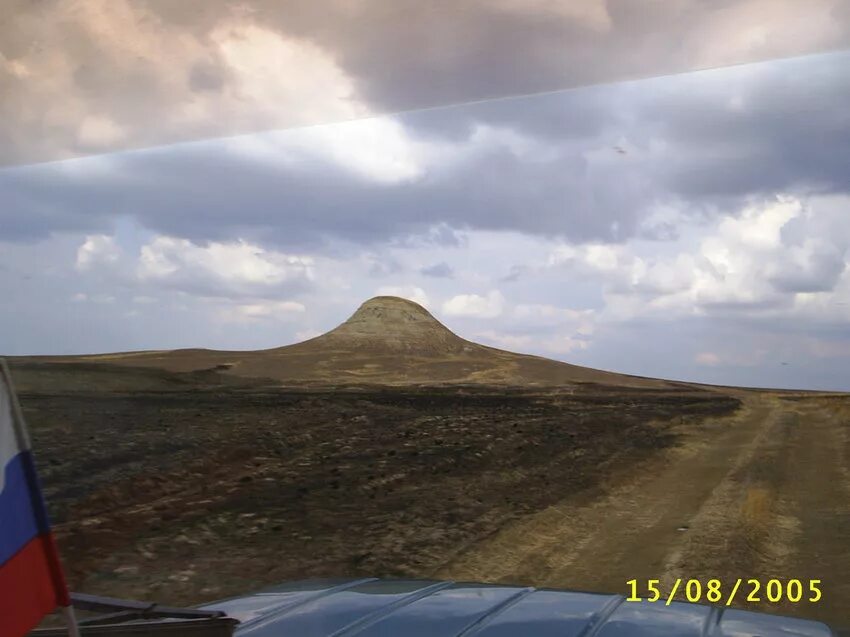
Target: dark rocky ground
189	487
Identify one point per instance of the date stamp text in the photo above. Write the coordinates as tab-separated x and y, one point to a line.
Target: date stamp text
714	591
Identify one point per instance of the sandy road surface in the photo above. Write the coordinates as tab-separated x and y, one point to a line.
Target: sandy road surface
762	494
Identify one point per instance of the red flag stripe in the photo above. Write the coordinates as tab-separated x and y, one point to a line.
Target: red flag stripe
27	591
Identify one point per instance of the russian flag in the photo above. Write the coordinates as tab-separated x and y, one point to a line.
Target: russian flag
32	583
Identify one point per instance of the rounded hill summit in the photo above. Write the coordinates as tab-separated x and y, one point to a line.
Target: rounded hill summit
392	324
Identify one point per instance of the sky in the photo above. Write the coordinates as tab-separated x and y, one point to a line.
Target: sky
85	76
691	226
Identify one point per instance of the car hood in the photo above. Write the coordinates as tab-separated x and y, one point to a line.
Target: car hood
418	608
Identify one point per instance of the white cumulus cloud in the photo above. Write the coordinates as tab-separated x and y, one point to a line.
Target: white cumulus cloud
550	316
261	311
97	250
238	268
566	344
474	305
773	255
516	342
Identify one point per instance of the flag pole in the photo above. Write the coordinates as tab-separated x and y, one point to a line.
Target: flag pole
22	435
71	621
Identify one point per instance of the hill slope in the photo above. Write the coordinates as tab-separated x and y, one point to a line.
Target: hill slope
388	340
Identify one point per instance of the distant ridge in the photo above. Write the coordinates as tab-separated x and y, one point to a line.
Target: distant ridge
388	340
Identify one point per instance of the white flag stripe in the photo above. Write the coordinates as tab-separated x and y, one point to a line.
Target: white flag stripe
8	440
9	447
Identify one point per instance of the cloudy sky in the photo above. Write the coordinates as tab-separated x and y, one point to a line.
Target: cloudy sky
85	76
692	226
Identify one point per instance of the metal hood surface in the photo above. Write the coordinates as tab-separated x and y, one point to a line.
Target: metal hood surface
427	608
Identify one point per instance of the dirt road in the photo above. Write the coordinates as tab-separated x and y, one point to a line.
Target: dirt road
762	494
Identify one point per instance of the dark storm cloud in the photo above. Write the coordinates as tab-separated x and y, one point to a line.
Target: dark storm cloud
36	203
727	134
447	52
203	195
204	192
780	127
444	52
156	71
700	143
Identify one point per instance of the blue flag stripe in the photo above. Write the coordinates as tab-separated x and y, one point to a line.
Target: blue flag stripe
22	514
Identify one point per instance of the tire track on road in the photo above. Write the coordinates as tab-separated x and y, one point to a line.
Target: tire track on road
630	531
